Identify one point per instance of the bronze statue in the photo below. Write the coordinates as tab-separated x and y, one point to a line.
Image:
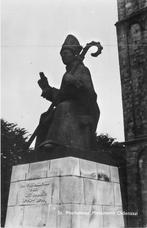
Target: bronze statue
73	116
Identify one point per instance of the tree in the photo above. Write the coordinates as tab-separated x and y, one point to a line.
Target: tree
105	140
113	147
13	148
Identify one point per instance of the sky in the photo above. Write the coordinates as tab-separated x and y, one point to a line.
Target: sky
32	34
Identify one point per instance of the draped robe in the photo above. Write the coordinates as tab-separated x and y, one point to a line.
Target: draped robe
75	117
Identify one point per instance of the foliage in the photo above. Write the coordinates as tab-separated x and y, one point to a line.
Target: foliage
115	149
107	142
13	144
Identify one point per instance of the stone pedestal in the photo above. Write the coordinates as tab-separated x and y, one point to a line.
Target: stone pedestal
64	193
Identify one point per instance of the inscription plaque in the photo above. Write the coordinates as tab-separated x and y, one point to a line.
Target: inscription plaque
36	192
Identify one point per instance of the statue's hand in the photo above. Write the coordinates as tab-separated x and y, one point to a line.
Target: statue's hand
43	82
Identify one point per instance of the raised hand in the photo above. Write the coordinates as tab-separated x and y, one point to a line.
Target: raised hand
43	82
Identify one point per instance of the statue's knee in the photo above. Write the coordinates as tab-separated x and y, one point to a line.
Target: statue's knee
43	115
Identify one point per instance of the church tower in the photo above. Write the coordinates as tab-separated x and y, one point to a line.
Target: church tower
132	47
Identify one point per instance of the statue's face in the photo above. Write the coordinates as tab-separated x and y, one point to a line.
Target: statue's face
67	56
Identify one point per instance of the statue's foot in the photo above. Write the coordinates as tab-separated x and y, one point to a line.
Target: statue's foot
48	144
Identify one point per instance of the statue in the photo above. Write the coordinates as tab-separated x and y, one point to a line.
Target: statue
74	115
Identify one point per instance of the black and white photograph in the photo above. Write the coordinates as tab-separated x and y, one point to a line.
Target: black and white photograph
73	113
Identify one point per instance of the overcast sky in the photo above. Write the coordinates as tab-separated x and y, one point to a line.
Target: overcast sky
32	34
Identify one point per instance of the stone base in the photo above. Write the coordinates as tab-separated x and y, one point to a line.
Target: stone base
64	193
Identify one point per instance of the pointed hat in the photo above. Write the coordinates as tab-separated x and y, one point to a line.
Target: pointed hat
71	43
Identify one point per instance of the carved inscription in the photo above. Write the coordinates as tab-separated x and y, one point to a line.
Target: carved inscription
34	193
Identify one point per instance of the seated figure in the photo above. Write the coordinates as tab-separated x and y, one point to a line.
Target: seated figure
75	115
